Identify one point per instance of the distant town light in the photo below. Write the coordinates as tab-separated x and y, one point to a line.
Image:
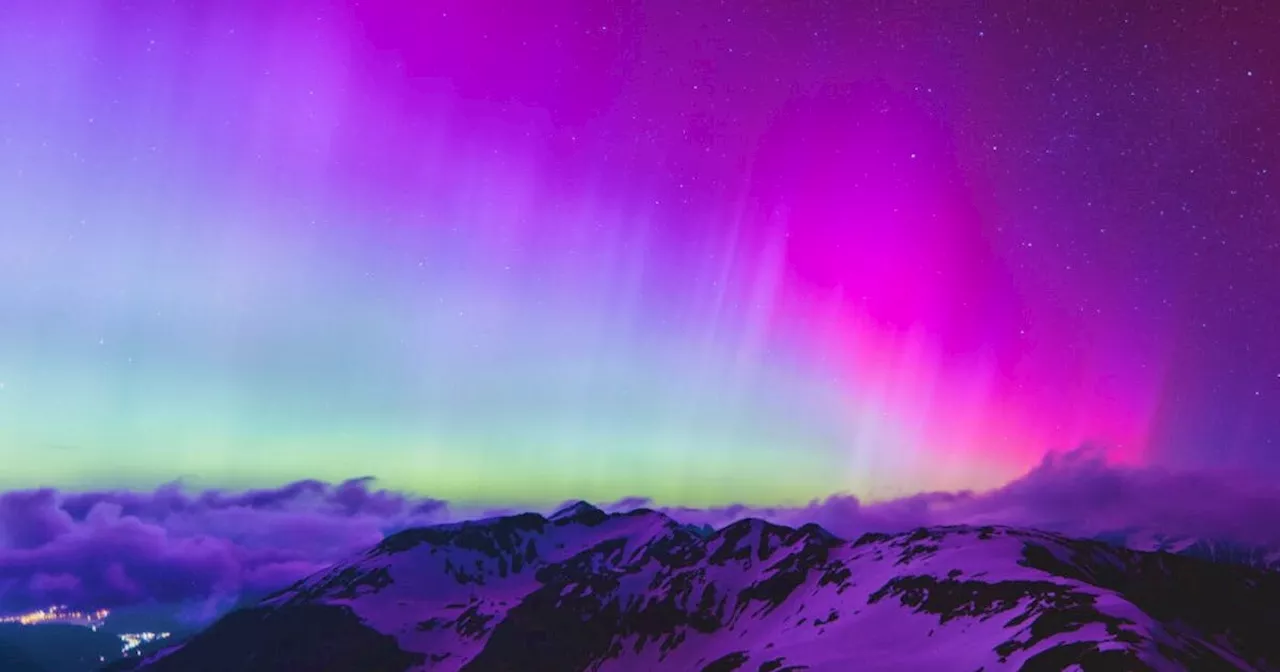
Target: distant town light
59	614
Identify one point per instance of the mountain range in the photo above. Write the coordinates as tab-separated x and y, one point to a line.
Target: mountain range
1213	550
637	591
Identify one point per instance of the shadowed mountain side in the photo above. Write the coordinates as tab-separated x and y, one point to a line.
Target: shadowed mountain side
305	637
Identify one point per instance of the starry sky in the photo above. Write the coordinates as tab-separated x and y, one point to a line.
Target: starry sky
694	251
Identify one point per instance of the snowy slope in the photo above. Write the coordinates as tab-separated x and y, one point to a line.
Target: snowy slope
583	590
1214	550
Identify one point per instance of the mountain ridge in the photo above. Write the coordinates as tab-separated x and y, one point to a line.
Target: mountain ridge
587	590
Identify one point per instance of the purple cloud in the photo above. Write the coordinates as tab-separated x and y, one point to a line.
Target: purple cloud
114	548
1075	493
30	519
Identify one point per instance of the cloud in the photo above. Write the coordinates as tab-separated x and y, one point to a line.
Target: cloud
115	548
1076	493
204	549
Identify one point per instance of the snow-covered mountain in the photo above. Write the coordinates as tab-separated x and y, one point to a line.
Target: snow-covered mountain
1213	550
585	590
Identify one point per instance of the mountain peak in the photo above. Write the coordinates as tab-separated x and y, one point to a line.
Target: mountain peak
578	512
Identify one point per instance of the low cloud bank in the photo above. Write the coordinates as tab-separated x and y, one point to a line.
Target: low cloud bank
116	548
1075	493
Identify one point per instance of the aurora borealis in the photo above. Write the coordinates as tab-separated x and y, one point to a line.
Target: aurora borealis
700	252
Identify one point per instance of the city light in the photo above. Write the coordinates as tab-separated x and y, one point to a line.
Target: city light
130	641
133	640
59	614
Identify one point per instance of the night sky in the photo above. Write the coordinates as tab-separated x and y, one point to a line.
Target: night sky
702	252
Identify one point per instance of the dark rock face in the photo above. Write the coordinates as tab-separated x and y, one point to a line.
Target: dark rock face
319	638
493	538
349	583
1045	607
572	620
1235	604
728	662
1087	657
580	513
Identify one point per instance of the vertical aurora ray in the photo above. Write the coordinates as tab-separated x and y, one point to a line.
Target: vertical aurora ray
590	251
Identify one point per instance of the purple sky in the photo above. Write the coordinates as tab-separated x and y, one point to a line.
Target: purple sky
702	251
